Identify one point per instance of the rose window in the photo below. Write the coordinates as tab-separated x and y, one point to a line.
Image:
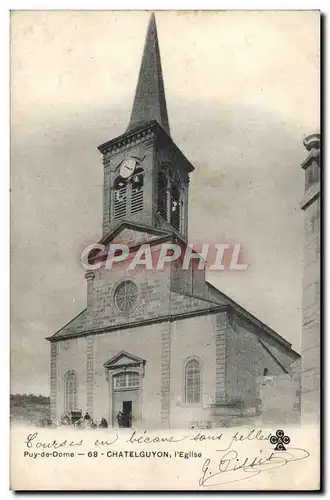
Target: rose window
126	296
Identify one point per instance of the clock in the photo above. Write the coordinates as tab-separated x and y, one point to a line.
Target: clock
127	167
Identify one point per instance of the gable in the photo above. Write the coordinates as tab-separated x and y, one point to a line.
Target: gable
128	233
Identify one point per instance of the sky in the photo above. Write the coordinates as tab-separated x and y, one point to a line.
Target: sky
242	91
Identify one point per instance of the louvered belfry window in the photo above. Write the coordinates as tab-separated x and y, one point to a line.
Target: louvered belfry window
169	197
128	195
120	198
137	191
175	207
162	194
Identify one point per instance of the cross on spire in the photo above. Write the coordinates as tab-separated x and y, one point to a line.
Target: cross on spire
149	101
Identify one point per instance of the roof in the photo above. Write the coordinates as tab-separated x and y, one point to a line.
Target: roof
149	101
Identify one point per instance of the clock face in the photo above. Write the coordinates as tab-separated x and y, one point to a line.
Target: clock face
127	167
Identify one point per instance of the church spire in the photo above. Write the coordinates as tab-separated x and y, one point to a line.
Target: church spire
149	101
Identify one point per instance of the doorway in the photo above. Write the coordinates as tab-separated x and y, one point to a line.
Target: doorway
126	399
127	414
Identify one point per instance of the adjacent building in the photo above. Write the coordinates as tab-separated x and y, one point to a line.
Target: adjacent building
311	338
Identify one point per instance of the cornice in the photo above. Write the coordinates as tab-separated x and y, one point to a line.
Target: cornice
128	138
141	134
135	324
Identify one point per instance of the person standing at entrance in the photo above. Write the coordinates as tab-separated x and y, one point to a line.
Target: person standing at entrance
120	419
124	419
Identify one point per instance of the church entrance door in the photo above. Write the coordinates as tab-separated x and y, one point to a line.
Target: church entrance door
127	412
125	400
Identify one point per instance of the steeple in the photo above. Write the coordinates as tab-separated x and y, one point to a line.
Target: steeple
149	101
146	176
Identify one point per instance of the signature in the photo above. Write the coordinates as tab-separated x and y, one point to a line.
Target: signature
233	468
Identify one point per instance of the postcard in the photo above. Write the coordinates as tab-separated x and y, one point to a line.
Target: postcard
165	250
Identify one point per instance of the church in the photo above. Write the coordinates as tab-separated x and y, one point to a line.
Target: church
163	348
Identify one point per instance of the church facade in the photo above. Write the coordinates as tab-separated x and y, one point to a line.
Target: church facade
163	346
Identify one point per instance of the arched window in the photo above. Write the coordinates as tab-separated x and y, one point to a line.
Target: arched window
162	207
175	207
120	198
70	391
169	197
128	195
137	191
126	380
192	381
265	372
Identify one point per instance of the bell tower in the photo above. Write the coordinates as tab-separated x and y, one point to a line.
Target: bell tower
146	176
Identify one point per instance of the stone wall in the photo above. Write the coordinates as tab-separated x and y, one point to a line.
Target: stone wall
71	356
193	338
311	314
153	289
248	355
311	338
146	343
141	147
279	400
165	347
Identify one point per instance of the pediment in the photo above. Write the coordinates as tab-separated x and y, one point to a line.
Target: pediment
124	359
130	234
